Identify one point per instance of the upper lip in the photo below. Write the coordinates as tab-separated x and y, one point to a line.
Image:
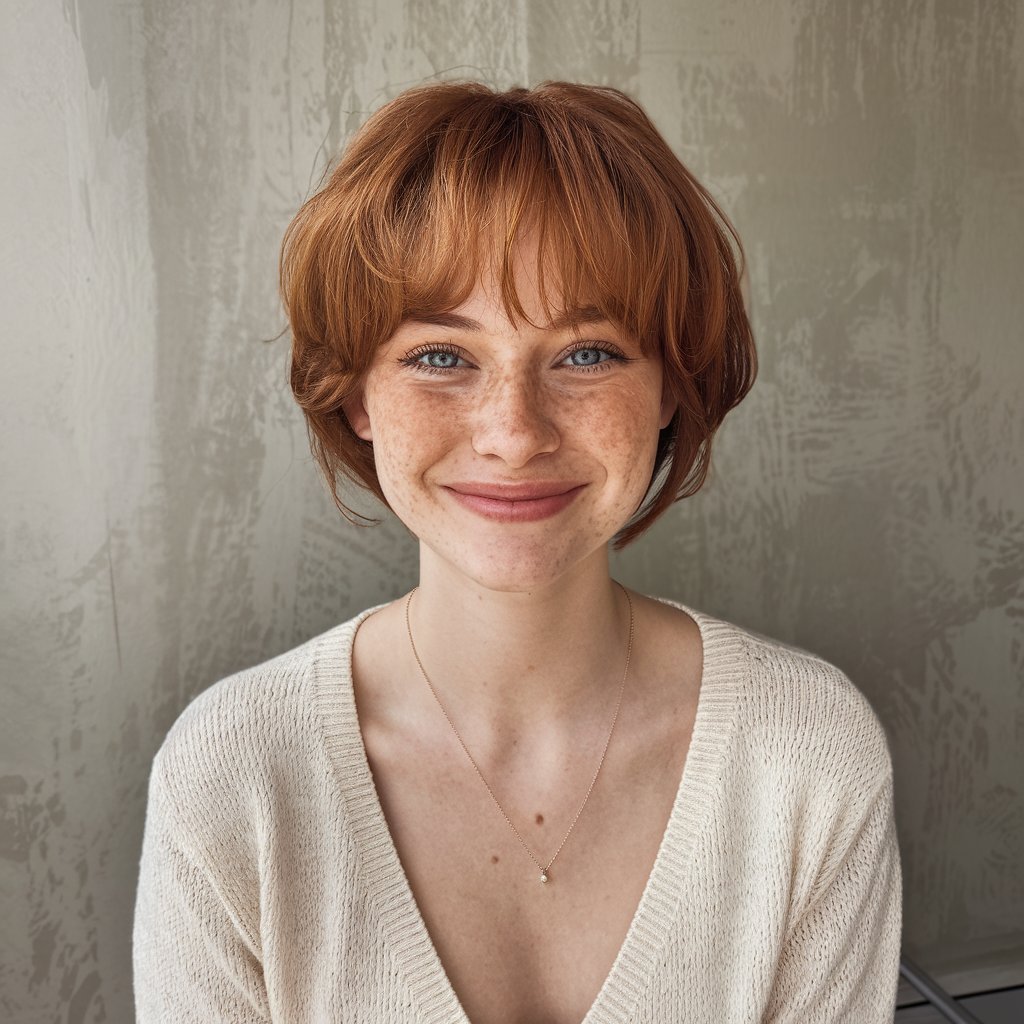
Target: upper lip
515	492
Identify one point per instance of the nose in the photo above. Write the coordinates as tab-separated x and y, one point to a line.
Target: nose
513	421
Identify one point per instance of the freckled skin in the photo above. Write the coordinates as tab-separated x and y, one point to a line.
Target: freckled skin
514	409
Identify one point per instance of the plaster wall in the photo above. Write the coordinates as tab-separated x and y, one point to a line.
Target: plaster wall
162	522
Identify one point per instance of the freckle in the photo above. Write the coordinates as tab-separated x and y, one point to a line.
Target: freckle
494	858
539	819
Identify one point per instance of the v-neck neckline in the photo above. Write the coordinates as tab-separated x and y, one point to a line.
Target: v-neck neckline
380	869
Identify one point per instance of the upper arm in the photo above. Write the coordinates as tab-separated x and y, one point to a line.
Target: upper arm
191	958
840	962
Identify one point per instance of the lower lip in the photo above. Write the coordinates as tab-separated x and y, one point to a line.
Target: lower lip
517	511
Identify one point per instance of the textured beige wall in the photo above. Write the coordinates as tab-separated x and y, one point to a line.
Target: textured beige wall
162	524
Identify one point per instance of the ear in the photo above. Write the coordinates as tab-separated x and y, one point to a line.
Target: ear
357	416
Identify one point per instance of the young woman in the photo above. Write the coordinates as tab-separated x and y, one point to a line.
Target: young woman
520	792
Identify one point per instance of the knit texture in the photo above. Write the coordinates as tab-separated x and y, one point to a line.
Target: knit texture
270	888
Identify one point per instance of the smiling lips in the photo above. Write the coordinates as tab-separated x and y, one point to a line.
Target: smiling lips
516	503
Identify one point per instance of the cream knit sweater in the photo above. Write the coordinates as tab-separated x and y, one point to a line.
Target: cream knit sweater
270	888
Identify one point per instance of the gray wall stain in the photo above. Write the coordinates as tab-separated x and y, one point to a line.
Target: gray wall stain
163	524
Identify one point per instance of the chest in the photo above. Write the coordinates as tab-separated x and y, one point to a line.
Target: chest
515	949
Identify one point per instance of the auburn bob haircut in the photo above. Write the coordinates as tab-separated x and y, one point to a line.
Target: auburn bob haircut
446	176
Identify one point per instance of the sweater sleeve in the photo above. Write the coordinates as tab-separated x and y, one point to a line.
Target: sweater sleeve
840	963
191	960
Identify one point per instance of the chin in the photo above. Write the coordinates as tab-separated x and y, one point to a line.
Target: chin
516	568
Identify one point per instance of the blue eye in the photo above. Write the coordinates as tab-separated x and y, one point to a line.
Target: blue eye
589	356
433	359
438	359
592	358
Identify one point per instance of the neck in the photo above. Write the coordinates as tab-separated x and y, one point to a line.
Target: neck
521	663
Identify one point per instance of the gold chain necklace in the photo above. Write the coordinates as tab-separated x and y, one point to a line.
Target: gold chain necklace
544	876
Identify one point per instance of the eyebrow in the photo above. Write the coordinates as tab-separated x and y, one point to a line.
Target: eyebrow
455	322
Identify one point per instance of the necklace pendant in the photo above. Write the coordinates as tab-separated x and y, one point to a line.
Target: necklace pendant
543	876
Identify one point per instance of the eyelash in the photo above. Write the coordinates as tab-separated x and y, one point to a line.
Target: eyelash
412	359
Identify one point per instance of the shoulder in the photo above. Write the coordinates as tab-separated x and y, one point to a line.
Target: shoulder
812	710
812	754
236	719
229	744
789	759
811	745
796	717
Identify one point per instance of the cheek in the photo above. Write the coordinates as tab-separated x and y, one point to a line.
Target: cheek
623	429
409	434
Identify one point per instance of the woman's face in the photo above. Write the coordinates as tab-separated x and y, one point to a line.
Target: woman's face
474	404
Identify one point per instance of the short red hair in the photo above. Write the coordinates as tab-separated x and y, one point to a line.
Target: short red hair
447	169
